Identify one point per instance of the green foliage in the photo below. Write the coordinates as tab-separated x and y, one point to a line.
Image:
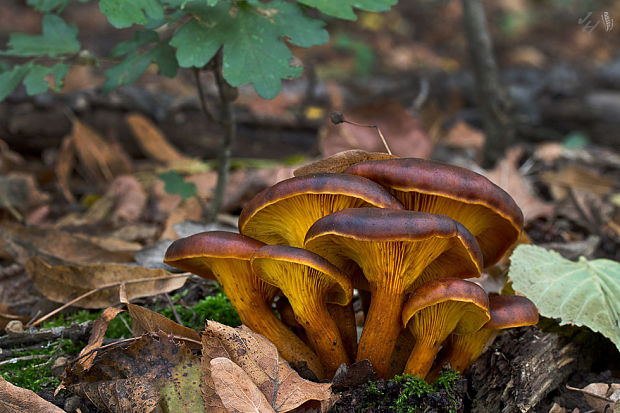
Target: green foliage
253	36
583	293
215	307
174	184
364	55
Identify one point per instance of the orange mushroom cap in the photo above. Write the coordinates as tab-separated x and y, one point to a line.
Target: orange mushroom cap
283	213
309	282
485	209
225	256
396	251
435	310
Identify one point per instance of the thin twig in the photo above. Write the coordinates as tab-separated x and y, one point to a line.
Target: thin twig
103	287
24	358
174	310
224	150
202	98
337	117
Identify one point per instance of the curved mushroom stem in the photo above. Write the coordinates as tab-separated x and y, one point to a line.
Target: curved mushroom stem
259	317
344	317
381	330
324	335
422	357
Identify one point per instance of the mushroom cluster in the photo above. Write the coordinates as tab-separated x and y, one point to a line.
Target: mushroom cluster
404	233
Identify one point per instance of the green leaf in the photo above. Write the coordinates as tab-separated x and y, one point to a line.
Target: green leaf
125	13
138	60
174	184
36	83
252	38
48	6
343	9
11	78
584	293
57	38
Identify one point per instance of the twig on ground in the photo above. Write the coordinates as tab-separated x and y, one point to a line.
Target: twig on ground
174	310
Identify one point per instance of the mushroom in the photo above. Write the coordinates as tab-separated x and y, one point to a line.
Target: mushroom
485	209
507	311
395	250
309	282
282	214
435	310
225	257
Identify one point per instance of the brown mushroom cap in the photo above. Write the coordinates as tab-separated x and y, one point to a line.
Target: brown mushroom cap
435	310
309	282
484	208
225	256
283	213
396	250
506	311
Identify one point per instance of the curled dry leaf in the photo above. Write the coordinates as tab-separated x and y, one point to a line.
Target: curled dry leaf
63	283
602	397
284	389
340	161
144	320
152	140
88	353
236	389
14	399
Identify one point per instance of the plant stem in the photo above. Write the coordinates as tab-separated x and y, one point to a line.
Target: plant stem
230	130
498	125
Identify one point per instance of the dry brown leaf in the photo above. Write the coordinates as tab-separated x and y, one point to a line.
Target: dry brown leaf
340	161
64	166
87	355
602	397
111	244
461	135
20	193
236	389
153	372
63	283
284	389
507	176
129	199
403	133
9	160
144	320
188	210
101	160
15	399
152	140
577	177
6	315
25	242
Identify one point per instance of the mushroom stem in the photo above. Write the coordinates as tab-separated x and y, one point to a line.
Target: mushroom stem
324	335
461	350
381	329
344	317
422	357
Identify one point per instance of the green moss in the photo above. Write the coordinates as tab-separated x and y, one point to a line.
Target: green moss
215	307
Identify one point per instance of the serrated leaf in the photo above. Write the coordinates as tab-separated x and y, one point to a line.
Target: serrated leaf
174	184
125	13
36	83
11	78
584	293
343	9
252	38
137	60
57	38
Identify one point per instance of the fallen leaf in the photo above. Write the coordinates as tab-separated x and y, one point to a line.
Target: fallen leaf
578	178
6	315
152	372
188	210
65	282
9	160
100	326
101	160
602	397
129	199
284	389
15	399
507	176
19	192
340	161
144	321
25	242
461	135
403	133
236	390
152	140
65	163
